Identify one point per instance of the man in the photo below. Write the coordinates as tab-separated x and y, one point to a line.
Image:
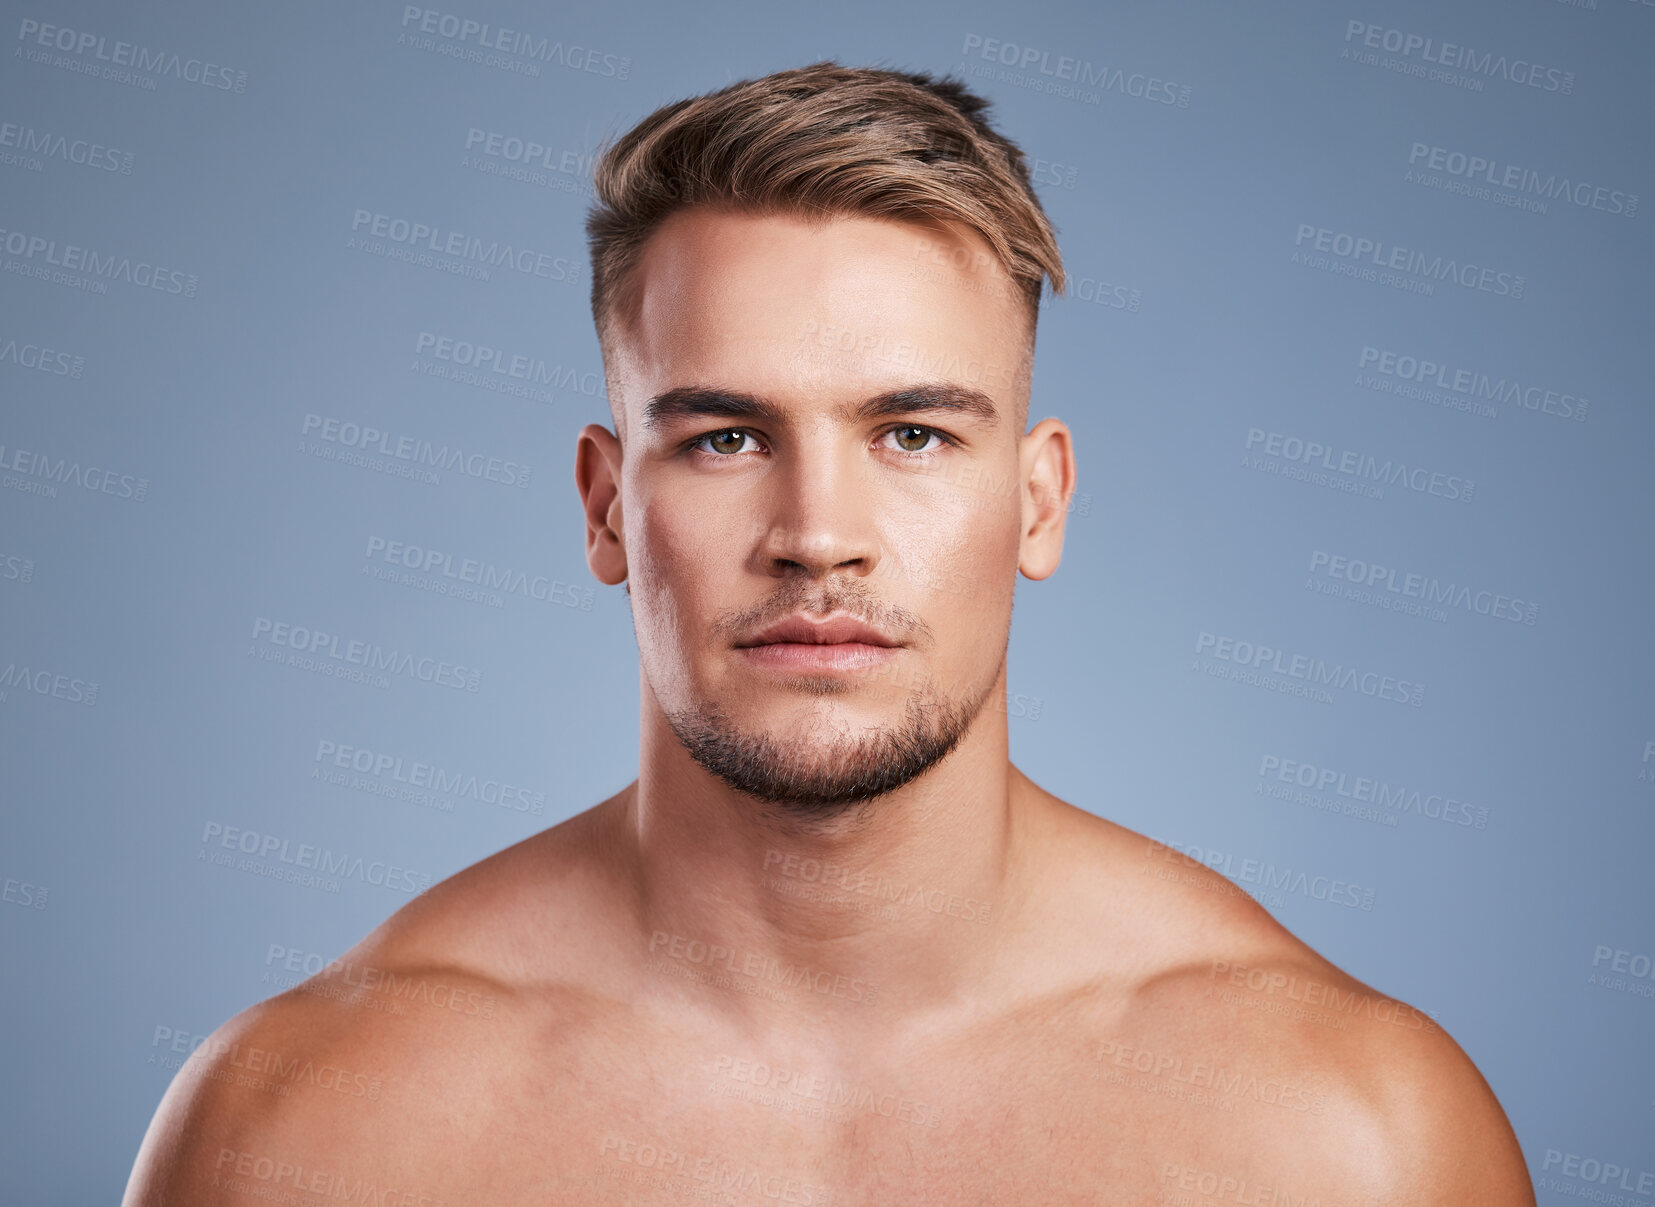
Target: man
830	946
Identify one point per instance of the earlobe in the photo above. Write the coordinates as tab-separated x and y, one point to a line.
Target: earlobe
598	479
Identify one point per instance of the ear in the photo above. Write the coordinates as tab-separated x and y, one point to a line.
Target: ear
598	479
1047	459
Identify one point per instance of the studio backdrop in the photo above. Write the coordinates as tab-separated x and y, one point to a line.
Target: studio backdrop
1354	607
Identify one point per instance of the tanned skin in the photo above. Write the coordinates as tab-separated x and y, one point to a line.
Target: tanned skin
960	990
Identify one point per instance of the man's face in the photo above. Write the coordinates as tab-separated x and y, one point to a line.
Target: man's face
820	420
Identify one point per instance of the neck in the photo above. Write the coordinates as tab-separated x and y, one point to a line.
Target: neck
899	904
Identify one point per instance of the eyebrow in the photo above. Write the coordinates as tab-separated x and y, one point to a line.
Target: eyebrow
686	401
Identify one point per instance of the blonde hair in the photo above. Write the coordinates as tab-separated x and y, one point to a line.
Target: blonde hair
821	140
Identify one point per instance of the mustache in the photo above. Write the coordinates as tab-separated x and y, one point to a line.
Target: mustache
820	599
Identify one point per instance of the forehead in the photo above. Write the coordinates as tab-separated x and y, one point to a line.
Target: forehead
769	303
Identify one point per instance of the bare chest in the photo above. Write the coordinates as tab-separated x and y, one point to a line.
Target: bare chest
714	1126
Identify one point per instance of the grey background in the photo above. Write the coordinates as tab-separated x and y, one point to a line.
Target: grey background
116	928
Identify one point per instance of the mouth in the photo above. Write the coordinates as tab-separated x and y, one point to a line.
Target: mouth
818	655
800	643
799	629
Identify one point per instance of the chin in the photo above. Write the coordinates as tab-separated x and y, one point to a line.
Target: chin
823	758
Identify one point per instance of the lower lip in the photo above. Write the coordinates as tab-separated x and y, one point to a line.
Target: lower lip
805	656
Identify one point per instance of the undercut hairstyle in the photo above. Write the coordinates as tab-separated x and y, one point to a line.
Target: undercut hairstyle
819	141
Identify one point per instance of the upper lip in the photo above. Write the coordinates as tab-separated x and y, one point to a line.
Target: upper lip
829	631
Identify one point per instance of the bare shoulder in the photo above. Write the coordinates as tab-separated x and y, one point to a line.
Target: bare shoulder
1308	1072
342	1081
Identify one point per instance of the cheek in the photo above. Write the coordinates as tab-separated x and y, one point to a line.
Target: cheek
957	551
673	560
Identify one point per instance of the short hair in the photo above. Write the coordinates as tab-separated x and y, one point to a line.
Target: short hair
822	140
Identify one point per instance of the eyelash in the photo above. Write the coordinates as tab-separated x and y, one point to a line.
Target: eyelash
947	441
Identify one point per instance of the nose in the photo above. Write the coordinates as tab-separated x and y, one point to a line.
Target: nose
822	516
